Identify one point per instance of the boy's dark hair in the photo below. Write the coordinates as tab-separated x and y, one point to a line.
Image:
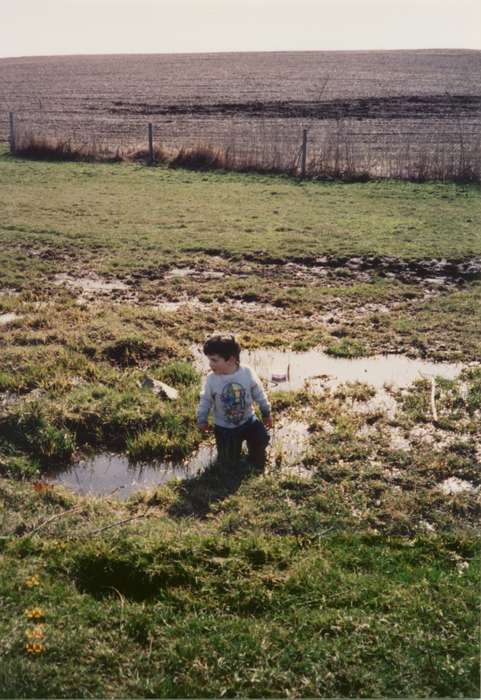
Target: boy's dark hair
225	346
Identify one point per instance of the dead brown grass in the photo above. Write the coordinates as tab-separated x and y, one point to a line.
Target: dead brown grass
336	157
30	145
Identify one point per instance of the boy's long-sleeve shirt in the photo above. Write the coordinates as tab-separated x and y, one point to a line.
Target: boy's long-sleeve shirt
230	397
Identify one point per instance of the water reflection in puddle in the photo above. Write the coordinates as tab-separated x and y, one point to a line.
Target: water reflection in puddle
113	474
290	370
107	473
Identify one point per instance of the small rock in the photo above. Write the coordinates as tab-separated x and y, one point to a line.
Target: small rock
354	263
160	388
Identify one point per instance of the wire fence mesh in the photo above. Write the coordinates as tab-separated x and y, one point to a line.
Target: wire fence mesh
350	147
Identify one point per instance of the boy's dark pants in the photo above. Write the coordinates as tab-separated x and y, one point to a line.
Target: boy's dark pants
229	443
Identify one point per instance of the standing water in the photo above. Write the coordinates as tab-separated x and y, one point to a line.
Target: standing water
105	474
290	370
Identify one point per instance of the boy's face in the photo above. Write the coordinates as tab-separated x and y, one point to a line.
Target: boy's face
221	366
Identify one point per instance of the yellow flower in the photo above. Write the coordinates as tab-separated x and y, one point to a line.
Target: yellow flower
34	613
32	582
34	648
35	633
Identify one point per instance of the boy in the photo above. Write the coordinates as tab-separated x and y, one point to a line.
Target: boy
230	391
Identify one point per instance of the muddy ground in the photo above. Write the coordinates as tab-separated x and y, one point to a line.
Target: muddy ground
383	430
368	300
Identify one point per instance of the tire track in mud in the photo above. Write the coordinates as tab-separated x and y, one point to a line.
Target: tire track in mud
433	276
457	270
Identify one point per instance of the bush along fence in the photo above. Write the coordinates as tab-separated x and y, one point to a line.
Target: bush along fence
336	156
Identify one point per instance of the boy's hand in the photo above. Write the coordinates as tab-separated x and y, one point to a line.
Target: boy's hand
267	420
204	427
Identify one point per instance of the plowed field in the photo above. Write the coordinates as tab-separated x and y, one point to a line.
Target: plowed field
382	101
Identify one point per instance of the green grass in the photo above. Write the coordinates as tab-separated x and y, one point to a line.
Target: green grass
159	612
322	588
125	217
135	222
354	577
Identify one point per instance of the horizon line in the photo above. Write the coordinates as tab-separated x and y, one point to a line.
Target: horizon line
216	52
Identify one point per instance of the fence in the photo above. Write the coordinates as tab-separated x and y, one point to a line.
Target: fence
331	150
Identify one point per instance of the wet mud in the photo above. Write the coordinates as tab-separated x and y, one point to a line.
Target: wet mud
441	271
330	270
431	274
210	284
384	107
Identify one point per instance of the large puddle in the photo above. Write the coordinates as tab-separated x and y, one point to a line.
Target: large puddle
114	474
106	474
290	370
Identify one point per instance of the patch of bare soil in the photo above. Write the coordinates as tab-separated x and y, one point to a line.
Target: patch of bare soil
429	273
90	287
391	95
7	399
63	253
433	276
289	441
90	283
454	485
195	304
385	107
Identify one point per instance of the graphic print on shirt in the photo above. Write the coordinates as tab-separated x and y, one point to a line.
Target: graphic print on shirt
233	399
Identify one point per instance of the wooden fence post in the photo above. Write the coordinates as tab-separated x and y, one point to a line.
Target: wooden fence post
304	153
12	136
151	145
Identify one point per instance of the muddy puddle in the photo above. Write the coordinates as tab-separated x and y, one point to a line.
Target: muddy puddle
314	370
111	474
289	371
114	474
